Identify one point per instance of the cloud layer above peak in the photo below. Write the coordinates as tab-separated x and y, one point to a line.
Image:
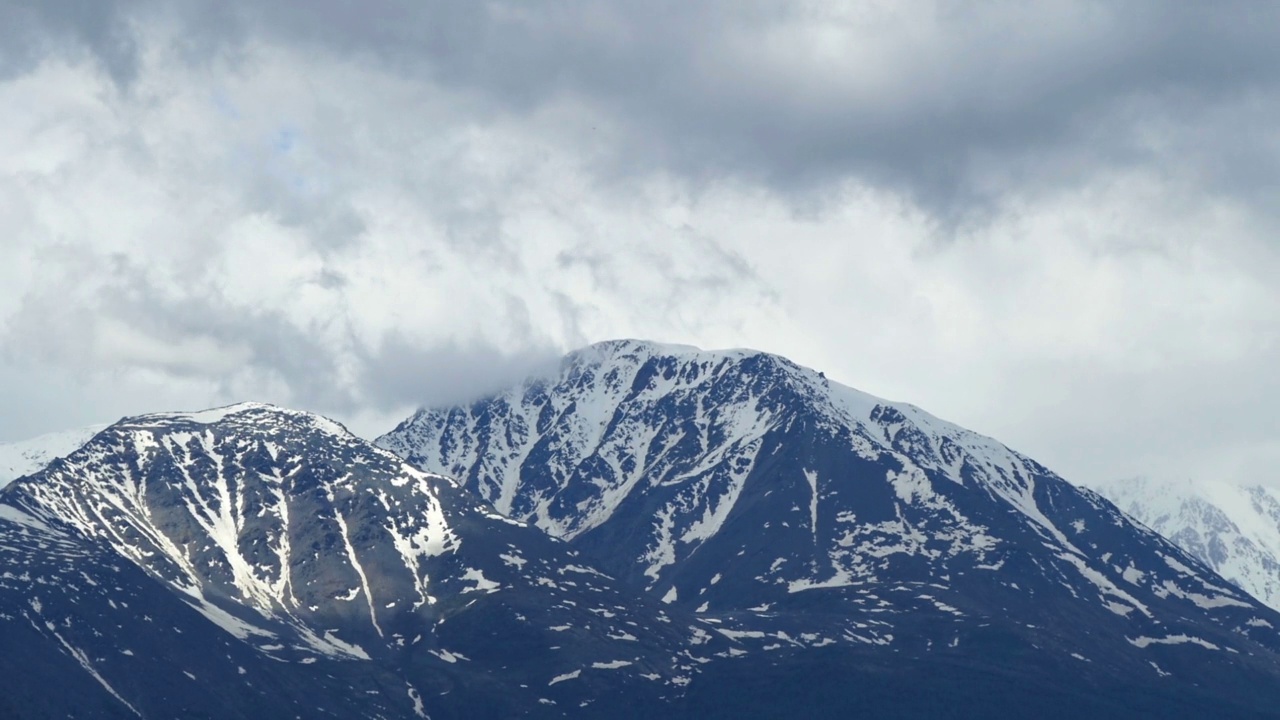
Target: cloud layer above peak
1052	222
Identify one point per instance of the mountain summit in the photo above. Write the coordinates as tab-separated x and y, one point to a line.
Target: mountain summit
797	512
271	557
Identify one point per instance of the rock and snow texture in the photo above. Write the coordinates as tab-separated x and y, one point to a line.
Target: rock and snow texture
742	538
28	456
794	511
1232	528
289	541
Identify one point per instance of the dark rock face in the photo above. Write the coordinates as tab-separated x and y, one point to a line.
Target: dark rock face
271	558
794	514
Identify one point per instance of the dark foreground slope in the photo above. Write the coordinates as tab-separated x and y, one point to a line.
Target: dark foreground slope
865	554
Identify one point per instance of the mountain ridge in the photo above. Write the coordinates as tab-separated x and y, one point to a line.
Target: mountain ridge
302	546
741	538
760	494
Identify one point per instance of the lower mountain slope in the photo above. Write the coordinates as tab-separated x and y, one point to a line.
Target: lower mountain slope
797	515
258	562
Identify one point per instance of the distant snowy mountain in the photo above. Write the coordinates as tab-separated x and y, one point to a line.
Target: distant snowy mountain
270	556
1234	529
27	456
794	512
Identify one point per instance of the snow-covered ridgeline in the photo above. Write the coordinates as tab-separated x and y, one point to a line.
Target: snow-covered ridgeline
603	411
578	420
218	511
658	444
305	542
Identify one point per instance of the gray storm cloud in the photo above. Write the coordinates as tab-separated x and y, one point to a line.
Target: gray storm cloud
952	103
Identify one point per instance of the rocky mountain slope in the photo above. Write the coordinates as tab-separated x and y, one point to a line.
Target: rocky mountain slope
271	556
794	512
652	531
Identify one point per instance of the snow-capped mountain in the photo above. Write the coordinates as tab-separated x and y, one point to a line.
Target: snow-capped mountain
295	555
27	456
738	537
1232	528
795	512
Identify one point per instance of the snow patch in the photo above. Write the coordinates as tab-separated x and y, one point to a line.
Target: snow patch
1143	641
567	676
482	584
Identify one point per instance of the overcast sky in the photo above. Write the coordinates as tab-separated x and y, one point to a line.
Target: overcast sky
1053	222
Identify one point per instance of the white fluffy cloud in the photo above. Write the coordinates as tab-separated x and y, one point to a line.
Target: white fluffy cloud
1058	240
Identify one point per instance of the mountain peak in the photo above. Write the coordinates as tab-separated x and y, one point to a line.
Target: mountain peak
634	346
308	545
632	351
29	456
256	414
759	494
621	409
688	362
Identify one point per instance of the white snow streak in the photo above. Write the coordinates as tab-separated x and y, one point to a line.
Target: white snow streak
355	564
